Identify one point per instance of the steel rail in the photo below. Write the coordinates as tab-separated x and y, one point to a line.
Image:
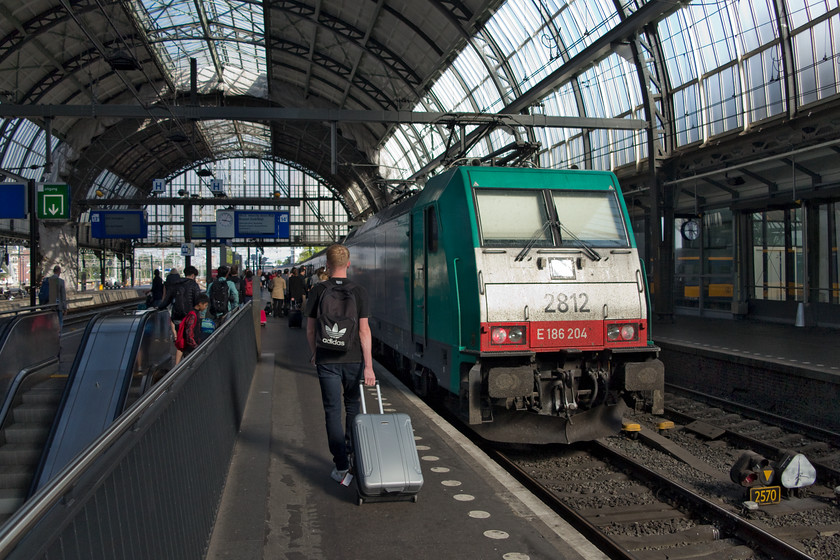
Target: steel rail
600	539
814	431
824	472
730	522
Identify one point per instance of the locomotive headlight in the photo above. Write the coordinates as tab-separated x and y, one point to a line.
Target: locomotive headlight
498	335
628	332
508	335
622	332
562	269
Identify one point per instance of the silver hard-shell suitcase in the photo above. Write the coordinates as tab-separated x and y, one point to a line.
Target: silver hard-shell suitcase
386	463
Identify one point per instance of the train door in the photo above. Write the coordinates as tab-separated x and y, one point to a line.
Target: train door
419	280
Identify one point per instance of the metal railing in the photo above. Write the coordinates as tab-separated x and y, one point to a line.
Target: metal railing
149	487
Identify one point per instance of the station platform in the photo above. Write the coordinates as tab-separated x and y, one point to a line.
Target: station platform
791	371
807	348
280	502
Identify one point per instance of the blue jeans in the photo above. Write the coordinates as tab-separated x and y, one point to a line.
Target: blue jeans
335	379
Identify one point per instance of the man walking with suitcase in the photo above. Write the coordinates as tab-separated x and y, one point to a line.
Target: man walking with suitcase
338	333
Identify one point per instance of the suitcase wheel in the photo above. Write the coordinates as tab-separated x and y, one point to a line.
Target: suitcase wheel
414	499
361	500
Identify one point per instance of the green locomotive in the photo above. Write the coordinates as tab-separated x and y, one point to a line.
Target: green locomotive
520	292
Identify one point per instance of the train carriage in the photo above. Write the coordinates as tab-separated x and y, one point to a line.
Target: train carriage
521	292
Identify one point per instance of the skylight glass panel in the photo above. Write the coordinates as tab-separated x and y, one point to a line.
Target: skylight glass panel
226	37
243	138
583	22
24	153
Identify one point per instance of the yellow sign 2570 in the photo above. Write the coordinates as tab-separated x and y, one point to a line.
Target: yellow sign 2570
766	494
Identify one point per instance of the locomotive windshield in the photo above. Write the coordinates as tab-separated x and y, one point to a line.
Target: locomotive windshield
512	218
518	217
593	216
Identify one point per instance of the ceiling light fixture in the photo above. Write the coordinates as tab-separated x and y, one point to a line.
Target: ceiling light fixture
121	60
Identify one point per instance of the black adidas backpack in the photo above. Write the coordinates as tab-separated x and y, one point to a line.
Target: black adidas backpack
337	323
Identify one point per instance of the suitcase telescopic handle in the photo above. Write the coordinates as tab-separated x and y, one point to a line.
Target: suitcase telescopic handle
378	397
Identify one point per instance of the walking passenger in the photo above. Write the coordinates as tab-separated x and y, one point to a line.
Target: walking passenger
223	296
181	295
233	276
246	287
342	360
297	287
189	332
278	288
57	294
157	289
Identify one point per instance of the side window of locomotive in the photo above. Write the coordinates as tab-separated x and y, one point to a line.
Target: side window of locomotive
593	217
511	218
431	230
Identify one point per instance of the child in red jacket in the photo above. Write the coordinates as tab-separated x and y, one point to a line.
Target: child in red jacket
189	331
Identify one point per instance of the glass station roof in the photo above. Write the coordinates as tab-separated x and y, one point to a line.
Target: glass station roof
722	60
713	68
227	39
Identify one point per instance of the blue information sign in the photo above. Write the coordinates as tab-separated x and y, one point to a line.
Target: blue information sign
264	224
203	230
119	224
12	201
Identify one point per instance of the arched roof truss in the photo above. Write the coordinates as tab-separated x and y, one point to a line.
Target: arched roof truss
702	75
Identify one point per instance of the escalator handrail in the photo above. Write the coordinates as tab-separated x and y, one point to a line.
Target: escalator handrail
22	375
7	327
45	498
28	309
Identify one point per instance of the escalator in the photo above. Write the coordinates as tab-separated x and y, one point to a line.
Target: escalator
48	416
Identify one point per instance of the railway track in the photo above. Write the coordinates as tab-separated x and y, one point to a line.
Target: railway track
656	497
763	432
669	495
631	510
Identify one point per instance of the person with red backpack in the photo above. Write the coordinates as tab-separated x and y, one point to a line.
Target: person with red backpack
189	331
246	287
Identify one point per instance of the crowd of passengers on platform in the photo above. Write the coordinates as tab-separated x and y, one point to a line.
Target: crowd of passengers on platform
195	313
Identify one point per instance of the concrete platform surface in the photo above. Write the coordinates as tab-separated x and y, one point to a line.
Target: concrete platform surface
280	502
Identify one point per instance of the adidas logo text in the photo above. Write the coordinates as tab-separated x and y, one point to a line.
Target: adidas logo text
333	342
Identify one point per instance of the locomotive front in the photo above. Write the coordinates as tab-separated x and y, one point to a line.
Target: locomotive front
564	331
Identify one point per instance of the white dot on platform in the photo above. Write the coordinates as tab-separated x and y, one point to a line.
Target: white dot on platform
464	497
478	514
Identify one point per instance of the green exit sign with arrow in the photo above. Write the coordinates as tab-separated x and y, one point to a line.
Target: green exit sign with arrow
53	202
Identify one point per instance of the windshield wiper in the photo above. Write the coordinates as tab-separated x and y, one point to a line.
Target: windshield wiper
527	248
587	249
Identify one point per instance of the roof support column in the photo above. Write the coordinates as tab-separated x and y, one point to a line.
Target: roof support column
33	243
333	148
187	230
